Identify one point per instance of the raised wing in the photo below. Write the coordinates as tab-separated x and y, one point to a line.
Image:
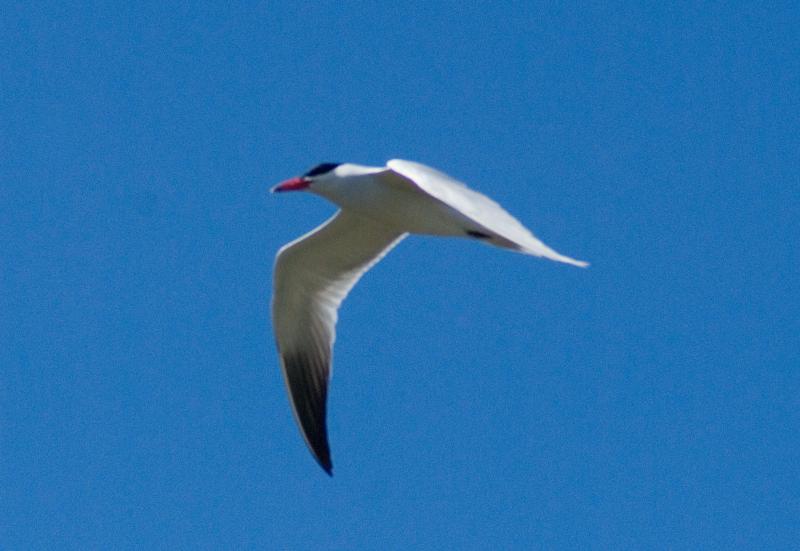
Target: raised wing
505	229
312	276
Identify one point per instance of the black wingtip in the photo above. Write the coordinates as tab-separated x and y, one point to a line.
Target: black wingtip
318	443
478	234
308	386
322	453
323	457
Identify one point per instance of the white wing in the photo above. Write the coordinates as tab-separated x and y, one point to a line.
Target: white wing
312	276
502	229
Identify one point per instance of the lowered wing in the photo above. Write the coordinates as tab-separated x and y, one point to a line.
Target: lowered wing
312	276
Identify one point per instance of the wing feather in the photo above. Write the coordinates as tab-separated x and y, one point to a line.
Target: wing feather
312	276
478	208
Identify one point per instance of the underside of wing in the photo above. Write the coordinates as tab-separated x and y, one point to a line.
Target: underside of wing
312	276
501	228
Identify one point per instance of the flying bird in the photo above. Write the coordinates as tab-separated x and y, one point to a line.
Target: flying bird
379	206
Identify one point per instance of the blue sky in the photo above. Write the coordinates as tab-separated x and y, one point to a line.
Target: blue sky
480	399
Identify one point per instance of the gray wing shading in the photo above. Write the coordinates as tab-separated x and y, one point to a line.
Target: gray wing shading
312	276
502	229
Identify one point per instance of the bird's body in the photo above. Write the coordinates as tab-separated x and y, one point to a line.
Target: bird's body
388	199
313	274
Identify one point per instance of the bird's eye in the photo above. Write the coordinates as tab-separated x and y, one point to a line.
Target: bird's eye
321	169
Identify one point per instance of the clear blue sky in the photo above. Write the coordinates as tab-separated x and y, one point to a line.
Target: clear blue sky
480	399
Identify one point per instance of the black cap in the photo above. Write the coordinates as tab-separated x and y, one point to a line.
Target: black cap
321	169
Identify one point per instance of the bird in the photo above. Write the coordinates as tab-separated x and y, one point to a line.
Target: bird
312	275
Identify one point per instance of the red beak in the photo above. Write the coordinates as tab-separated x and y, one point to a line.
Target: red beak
292	184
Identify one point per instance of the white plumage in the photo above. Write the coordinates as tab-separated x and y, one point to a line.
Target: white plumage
313	274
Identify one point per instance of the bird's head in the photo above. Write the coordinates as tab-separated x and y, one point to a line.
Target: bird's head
316	177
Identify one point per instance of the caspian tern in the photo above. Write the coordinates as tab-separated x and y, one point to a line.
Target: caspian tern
379	206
